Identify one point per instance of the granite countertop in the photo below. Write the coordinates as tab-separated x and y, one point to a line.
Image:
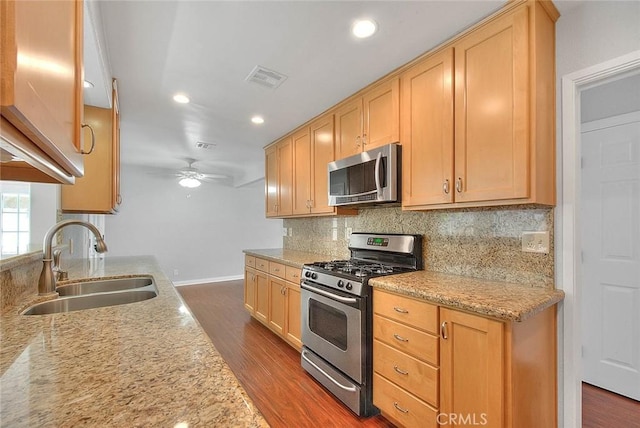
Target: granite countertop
503	300
290	257
140	364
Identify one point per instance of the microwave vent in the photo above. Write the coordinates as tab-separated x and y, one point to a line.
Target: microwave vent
265	77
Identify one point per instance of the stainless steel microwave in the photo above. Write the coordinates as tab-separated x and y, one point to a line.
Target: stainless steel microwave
365	178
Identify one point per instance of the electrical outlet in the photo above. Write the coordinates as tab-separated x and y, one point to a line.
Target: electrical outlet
291	231
535	242
284	231
347	232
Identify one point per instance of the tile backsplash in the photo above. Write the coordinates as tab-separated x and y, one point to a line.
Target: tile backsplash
483	242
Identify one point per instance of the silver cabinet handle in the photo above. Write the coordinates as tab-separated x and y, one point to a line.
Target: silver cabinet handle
357	141
276	270
93	140
400	371
401	310
364	139
445	186
400	338
397	406
443	330
459	185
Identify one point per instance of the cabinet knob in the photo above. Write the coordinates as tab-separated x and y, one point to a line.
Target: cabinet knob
459	185
443	330
445	186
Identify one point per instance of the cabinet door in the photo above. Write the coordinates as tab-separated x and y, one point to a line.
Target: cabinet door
381	114
277	305
492	111
349	129
472	367
294	320
285	177
427	131
271	180
301	171
262	297
250	290
322	153
41	76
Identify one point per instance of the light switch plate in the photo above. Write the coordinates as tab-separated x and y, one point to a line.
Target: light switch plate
535	242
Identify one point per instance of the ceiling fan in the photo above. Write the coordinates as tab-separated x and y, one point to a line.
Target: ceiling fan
191	177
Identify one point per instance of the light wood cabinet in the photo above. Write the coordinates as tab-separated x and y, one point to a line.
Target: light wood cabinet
437	366
41	89
502	148
278	178
272	296
370	120
98	191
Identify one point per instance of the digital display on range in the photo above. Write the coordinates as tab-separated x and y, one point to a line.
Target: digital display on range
378	242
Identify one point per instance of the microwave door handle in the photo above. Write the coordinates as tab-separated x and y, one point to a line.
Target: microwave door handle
377	172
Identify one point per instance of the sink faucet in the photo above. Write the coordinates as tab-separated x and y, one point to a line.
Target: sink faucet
47	282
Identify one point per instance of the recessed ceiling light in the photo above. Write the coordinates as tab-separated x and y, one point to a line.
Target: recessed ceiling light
181	98
364	28
258	120
86	84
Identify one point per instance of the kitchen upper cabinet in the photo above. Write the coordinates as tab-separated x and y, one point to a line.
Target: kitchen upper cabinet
41	89
370	120
501	149
98	191
278	178
427	131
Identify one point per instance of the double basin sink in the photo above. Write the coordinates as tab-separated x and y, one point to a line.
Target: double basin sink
78	296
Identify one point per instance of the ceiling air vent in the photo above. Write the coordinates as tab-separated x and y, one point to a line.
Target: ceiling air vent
203	145
265	77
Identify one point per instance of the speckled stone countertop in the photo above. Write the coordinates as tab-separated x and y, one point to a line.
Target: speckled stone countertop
290	257
140	364
503	300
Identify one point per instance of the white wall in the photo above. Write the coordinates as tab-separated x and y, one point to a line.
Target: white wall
199	232
587	33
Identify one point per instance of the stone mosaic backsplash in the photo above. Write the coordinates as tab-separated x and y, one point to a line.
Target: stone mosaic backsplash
482	242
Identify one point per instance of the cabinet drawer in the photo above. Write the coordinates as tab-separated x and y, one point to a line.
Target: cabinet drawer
262	264
292	274
417	377
407	339
277	269
410	311
400	406
249	261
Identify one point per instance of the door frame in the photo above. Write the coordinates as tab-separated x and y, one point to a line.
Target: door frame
568	216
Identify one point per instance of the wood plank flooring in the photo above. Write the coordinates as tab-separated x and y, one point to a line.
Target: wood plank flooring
269	370
266	366
605	409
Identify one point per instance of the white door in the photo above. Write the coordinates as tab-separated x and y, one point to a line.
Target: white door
611	253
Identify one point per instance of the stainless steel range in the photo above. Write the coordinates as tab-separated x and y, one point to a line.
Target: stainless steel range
337	315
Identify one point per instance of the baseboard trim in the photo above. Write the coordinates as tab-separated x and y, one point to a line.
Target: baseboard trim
208	280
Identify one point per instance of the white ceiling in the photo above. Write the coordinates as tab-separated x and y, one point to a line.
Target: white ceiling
206	49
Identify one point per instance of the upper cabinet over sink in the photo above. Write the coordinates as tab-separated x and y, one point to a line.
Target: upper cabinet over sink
41	90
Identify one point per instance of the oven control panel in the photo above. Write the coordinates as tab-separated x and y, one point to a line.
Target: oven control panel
378	242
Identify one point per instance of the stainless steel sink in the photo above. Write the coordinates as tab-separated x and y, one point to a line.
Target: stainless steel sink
104	293
103	286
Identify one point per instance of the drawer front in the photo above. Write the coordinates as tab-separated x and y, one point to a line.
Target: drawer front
417	377
293	274
262	264
249	261
400	406
416	343
277	269
414	312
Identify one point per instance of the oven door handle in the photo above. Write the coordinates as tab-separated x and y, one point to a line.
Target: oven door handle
329	295
338	384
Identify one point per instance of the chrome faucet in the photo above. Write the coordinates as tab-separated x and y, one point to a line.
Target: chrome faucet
47	282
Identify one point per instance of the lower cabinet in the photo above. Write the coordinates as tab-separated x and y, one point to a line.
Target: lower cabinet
437	366
272	296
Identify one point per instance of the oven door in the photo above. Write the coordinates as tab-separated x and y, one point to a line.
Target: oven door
332	327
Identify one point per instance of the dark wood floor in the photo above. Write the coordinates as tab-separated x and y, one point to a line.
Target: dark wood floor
267	367
269	370
604	409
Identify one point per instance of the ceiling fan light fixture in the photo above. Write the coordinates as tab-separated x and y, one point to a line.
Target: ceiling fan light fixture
189	182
